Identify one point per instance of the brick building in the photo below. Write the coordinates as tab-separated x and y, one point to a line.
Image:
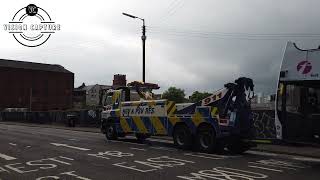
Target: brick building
119	80
36	86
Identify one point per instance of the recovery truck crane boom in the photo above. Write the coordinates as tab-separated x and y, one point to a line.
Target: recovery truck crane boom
221	120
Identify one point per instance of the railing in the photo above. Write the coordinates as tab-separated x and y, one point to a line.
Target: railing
85	118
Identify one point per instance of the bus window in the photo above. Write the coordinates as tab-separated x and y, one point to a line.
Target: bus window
280	94
312	100
293	104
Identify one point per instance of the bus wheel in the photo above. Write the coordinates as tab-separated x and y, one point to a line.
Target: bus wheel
206	139
236	146
182	137
141	137
111	133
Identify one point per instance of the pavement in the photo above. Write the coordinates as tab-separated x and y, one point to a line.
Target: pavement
40	153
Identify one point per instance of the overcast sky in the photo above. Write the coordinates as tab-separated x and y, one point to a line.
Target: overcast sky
191	44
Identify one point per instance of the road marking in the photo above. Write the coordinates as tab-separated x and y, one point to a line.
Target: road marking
284	163
217	155
107	154
12	144
206	156
164	148
309	159
66	158
133	167
153	164
6	157
139	149
261	153
126	142
222	173
264	168
160	140
72	147
70	173
99	155
272	165
299	158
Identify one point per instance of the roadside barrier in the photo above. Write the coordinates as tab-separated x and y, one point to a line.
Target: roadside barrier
83	118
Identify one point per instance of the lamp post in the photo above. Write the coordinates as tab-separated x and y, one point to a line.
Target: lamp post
143	38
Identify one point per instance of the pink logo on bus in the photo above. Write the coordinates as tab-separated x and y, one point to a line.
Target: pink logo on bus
304	67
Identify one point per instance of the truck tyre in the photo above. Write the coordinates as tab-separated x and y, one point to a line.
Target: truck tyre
236	146
111	133
182	137
206	139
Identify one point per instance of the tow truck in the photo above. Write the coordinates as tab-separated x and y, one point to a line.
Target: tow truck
221	120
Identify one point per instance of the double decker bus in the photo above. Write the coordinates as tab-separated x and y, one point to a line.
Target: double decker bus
297	115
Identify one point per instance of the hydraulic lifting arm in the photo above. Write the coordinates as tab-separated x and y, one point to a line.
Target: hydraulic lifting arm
223	97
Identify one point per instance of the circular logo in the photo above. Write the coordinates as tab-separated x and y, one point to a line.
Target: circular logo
304	67
31	26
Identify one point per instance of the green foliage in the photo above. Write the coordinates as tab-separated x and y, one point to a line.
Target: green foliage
174	94
197	96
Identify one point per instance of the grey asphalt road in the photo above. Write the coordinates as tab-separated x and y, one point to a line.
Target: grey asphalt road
48	153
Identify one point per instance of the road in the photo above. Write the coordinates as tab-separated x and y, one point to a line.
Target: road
48	153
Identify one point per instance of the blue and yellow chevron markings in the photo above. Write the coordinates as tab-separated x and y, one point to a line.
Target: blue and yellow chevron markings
125	125
146	125
173	120
171	108
139	124
197	118
158	126
116	99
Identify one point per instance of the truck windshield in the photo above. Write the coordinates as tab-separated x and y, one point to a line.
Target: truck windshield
109	100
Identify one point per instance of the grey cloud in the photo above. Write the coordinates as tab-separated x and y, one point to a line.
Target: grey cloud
102	42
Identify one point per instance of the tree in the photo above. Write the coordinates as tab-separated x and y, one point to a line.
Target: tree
174	94
197	96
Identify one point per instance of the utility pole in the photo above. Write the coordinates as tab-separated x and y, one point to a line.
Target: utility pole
143	37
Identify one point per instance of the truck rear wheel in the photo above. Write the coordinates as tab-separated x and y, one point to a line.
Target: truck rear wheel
182	137
206	139
111	133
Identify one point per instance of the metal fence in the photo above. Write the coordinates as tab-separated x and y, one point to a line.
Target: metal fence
264	124
84	118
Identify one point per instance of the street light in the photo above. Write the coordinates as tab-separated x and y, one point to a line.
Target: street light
143	37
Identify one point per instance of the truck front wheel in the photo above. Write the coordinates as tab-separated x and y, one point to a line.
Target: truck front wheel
206	139
182	137
111	133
